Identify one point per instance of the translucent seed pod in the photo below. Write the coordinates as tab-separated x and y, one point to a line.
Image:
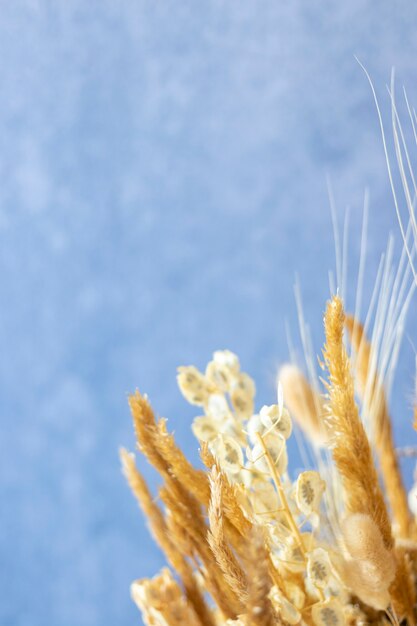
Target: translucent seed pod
264	499
284	607
295	594
205	428
228	453
279	530
277	450
231	428
219	376
328	613
308	491
192	385
251	475
255	426
319	568
216	407
292	554
227	359
245	383
276	419
242	403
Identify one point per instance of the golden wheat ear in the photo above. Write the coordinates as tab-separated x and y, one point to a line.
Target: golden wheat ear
349	443
375	404
162	596
259	609
231	568
352	452
161	534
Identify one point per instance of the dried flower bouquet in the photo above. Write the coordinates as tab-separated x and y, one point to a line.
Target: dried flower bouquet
246	545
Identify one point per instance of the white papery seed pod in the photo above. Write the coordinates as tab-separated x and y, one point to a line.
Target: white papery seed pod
319	568
295	594
216	407
284	607
205	428
276	419
277	450
192	384
308	491
228	453
264	499
218	376
227	359
254	426
328	613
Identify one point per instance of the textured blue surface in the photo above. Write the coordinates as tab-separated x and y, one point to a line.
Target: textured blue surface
163	176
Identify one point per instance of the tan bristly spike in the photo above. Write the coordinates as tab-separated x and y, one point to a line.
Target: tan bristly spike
232	509
160	532
161	451
152	443
236	521
217	586
149	442
194	480
259	608
350	446
372	392
161	601
222	552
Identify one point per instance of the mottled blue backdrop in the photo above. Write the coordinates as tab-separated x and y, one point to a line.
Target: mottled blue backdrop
162	177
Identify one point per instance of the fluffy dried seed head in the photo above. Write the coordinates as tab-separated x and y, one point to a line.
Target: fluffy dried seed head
371	569
364	542
365	582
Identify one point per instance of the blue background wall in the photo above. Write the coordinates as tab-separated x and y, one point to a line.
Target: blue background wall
163	176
